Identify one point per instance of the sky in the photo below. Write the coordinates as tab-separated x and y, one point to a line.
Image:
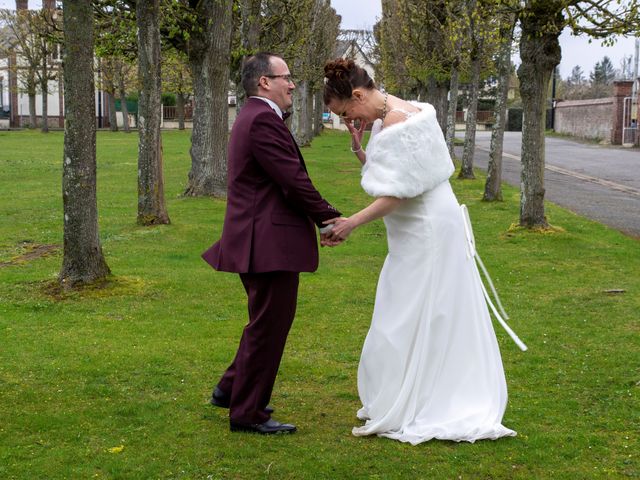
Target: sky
363	14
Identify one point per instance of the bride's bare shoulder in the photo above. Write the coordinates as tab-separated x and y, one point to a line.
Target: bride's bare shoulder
393	117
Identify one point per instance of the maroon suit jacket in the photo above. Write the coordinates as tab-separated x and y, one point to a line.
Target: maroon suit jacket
272	205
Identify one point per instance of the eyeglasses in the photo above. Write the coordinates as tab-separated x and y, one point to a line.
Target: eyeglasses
286	78
344	112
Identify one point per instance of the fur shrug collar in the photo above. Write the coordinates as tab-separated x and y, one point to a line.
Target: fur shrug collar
408	158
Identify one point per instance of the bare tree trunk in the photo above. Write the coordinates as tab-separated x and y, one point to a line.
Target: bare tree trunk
466	170
113	120
60	97
83	261
309	123
451	114
122	90
110	90
209	59
540	54
44	87
125	111
33	119
152	209
250	31
436	95
493	184
44	127
180	101
318	109
299	114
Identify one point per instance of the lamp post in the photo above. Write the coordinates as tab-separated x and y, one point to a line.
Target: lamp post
553	98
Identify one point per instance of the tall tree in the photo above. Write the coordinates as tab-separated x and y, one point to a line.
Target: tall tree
83	261
428	55
540	54
391	70
576	85
249	42
483	32
152	209
44	25
123	72
287	29
602	78
116	40
603	72
202	30
541	23
36	36
466	167
323	45
108	86
458	43
24	44
576	77
316	32
176	78
493	184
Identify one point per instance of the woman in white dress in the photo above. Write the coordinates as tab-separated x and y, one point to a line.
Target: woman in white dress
430	365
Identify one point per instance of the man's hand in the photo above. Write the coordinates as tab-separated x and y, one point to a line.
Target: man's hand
326	241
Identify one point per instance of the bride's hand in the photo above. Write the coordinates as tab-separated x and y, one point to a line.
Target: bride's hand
342	228
356	134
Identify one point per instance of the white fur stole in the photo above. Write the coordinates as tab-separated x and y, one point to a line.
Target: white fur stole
408	158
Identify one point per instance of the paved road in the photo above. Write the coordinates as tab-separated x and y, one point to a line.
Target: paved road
599	182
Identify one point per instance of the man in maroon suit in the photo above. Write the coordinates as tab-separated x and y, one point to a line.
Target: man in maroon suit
268	238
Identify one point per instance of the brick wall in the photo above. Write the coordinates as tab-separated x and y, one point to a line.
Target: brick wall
53	121
621	90
592	119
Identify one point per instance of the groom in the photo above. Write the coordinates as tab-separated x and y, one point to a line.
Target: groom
268	237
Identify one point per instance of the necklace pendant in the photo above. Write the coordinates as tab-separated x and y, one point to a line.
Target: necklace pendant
384	107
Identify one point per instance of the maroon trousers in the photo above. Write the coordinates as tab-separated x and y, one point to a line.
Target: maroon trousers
272	298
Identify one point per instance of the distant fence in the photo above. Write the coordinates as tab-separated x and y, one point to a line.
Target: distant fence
482	116
171	112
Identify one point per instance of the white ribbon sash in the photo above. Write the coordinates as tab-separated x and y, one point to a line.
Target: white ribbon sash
472	252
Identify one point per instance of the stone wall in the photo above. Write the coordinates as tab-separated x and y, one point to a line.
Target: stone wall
592	119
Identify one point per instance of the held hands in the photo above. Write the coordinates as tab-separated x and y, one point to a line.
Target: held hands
325	241
342	227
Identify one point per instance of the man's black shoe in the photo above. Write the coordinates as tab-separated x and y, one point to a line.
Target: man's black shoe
267	428
221	399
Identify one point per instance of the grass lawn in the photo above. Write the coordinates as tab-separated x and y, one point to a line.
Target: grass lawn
114	382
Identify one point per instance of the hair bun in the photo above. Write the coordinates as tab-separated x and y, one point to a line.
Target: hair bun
342	75
339	69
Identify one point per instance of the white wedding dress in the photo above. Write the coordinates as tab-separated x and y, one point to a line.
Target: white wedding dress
430	365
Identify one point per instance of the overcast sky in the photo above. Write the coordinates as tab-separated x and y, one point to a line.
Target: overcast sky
362	14
359	14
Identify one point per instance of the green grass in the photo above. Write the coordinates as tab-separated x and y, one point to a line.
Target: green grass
132	364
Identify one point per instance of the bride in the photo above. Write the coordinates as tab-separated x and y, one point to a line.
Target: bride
430	365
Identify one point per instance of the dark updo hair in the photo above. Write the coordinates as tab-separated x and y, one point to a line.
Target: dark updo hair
342	75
